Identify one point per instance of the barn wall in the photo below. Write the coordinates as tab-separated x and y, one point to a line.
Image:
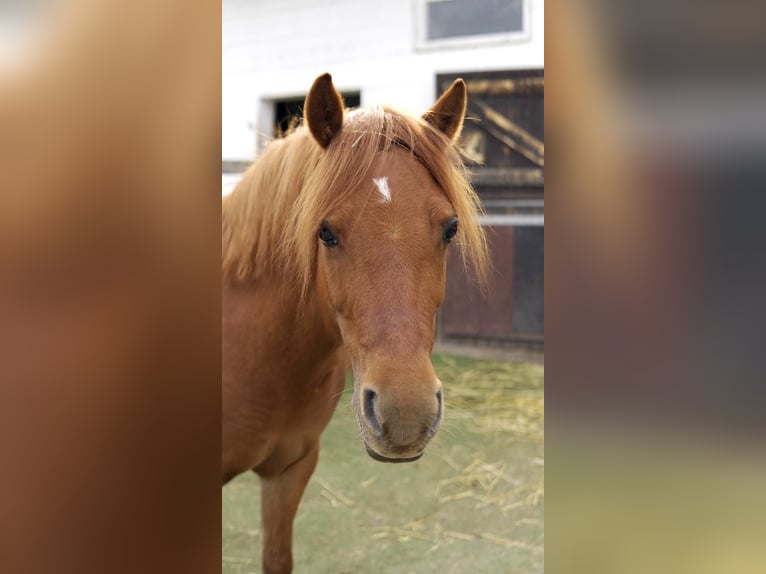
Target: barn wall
275	48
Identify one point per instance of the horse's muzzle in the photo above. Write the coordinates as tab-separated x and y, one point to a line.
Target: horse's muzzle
395	426
375	456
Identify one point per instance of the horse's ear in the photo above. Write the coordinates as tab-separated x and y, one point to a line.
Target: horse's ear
324	110
448	113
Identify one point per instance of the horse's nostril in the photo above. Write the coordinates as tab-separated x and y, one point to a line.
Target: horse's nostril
439	412
370	397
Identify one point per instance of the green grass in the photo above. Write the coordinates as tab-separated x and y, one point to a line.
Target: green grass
473	503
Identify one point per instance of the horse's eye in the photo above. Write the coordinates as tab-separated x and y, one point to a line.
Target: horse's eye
449	229
326	236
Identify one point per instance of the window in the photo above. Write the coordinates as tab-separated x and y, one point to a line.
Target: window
470	22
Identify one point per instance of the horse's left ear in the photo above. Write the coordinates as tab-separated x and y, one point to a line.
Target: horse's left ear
448	113
323	110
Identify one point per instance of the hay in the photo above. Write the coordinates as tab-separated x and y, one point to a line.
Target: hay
333	496
489	485
495	397
504	400
439	537
236	560
508	543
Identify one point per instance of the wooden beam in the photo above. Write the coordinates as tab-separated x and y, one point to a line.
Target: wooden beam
507	177
511	135
522	87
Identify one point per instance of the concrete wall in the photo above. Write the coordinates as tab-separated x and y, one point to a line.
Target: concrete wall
275	48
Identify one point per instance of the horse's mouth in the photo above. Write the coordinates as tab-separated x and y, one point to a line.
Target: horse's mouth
380	458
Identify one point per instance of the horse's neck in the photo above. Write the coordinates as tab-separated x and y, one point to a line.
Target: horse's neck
274	317
314	319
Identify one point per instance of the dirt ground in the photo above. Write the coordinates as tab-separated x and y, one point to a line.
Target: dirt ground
472	504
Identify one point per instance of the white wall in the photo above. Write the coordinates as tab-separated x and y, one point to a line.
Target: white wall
275	48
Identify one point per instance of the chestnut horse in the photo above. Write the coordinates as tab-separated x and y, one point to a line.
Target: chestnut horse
334	249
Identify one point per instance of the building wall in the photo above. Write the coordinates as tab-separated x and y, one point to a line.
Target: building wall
275	48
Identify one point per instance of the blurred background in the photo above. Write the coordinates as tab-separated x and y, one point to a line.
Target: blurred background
475	501
654	287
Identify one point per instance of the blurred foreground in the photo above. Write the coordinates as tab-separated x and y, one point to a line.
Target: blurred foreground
109	286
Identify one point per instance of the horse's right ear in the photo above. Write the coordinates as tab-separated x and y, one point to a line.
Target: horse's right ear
324	110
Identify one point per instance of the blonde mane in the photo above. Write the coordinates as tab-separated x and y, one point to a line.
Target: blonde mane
270	220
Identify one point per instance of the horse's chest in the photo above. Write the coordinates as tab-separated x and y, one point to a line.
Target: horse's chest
312	405
301	419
